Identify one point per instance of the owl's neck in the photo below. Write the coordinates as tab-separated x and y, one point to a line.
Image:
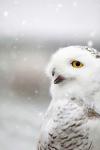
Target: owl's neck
67	91
86	93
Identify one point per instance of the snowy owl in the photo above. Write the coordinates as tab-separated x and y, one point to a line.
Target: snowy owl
72	121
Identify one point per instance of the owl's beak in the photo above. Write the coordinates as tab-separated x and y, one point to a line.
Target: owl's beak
59	79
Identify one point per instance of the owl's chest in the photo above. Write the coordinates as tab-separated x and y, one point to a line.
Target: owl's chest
94	132
66	128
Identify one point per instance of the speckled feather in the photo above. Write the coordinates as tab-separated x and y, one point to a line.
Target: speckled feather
66	128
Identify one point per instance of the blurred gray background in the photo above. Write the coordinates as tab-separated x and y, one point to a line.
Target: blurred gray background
30	31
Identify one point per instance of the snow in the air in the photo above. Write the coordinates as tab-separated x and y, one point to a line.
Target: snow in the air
25	59
36	91
16	39
40	114
75	4
92	34
90	43
5	13
24	22
16	2
58	7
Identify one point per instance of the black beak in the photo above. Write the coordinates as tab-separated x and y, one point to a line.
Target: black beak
59	79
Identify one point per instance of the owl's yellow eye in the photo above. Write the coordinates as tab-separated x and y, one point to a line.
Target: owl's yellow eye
77	64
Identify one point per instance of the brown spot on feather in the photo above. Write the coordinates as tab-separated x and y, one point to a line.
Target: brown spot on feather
92	113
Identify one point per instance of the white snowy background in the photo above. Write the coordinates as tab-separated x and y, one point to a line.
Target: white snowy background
30	31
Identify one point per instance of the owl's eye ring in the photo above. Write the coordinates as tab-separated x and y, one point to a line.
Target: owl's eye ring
77	64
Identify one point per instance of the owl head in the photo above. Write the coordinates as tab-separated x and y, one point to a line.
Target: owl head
74	70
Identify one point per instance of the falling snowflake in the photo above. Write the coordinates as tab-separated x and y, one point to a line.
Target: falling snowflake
90	43
29	98
25	58
40	114
24	22
16	39
5	13
92	34
16	126
59	6
75	4
16	2
36	92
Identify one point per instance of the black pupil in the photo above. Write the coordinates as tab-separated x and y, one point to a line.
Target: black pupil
77	63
